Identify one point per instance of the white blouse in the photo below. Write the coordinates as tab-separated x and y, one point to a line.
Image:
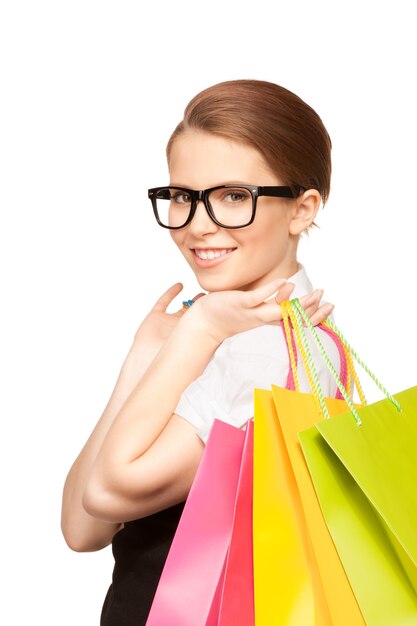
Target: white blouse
253	359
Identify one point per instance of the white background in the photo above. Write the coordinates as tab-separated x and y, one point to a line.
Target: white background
90	92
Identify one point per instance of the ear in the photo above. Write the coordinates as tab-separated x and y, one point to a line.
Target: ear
306	207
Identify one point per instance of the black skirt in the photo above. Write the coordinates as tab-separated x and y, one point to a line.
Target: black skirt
140	550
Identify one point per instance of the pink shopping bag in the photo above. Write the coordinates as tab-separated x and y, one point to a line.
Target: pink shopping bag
236	602
190	588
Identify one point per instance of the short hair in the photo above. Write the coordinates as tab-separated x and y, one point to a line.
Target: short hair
288	133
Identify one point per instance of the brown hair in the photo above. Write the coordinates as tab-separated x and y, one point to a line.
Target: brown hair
282	127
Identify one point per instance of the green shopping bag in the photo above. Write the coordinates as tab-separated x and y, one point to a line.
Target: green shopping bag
363	464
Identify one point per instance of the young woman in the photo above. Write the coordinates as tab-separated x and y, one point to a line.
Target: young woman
249	168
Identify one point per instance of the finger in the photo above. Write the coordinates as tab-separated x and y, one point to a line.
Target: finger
311	298
259	295
310	303
271	314
316	310
270	311
284	293
198	296
167	297
322	313
286	290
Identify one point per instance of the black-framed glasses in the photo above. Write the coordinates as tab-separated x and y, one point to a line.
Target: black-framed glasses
229	206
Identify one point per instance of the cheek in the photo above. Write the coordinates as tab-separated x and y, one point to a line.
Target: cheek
275	226
176	237
266	233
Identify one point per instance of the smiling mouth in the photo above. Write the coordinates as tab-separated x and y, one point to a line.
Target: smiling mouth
209	254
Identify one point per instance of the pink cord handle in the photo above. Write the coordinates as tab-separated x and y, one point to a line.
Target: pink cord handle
343	362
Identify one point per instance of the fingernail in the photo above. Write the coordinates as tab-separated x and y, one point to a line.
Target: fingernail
280	283
311	298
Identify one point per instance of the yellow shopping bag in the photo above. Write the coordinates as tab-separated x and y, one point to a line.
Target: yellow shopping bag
298	576
283	589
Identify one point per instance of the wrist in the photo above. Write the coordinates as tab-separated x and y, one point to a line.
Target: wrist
182	358
194	326
190	346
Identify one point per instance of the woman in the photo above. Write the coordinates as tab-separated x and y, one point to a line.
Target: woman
249	168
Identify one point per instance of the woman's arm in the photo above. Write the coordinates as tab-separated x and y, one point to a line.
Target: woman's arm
82	531
127	483
149	456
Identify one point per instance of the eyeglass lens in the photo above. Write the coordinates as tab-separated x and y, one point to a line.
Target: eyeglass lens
231	207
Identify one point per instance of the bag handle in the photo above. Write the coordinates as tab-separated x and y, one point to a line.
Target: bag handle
347	372
352	375
310	369
297	314
292	378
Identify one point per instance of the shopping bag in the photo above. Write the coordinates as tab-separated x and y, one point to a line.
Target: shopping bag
382	578
381	456
236	589
362	463
298	577
297	411
189	592
282	589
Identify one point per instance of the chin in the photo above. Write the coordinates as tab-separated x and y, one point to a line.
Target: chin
214	283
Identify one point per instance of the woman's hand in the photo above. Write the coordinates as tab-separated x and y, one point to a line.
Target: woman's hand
226	313
159	324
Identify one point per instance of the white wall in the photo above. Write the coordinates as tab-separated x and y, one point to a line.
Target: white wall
90	93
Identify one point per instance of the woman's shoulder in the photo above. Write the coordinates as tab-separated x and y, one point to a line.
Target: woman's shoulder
269	341
264	340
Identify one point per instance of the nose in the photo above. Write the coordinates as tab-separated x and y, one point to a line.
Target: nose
202	224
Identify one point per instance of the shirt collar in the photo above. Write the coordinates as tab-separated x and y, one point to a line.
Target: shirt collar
301	281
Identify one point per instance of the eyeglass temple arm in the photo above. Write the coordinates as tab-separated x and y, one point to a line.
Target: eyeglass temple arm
280	192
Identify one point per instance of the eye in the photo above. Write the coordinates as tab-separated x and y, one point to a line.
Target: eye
235	196
181	197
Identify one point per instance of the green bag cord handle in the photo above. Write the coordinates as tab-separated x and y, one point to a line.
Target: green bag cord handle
300	315
301	333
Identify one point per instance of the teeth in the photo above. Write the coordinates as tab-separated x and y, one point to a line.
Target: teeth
211	254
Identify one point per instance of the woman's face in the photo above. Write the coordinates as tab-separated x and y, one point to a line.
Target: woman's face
250	256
